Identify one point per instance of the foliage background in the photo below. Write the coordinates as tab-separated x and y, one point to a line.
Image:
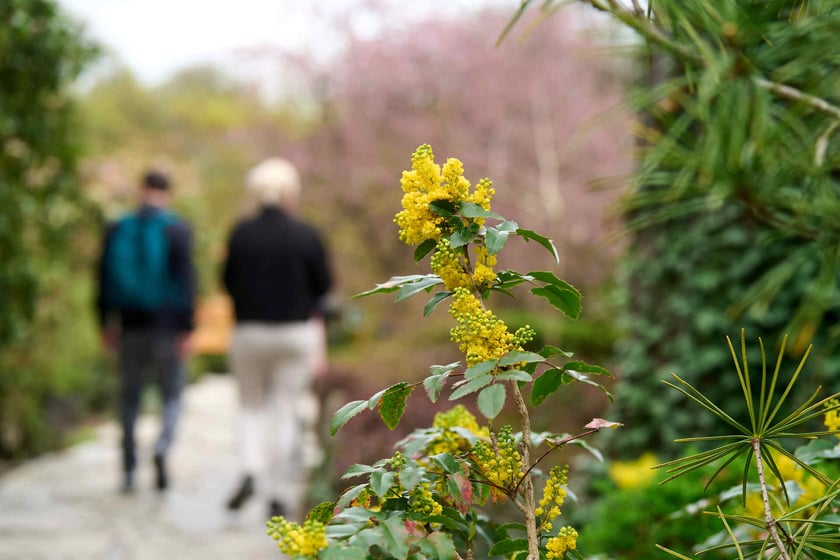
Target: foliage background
46	376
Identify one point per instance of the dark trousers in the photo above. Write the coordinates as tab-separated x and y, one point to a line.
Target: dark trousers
143	353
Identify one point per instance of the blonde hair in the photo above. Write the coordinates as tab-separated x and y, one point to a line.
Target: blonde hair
274	182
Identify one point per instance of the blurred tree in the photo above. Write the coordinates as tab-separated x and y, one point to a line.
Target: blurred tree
200	126
734	210
518	114
41	52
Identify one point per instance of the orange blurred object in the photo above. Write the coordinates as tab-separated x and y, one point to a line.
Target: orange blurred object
213	325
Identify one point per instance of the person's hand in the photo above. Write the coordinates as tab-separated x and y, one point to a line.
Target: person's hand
320	365
184	345
110	339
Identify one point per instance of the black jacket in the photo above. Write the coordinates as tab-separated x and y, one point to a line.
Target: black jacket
276	269
180	264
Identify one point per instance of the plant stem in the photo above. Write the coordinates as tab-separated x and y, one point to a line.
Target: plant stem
769	520
527	482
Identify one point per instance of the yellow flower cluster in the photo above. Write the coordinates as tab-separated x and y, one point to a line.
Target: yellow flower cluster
501	466
553	497
298	541
811	488
450	441
832	417
423	502
421	186
453	177
483	193
565	540
633	474
450	265
483	275
480	334
426	183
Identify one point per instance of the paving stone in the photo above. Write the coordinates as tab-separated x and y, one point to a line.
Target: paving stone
66	505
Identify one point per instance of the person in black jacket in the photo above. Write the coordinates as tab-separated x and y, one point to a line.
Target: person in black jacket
277	275
149	335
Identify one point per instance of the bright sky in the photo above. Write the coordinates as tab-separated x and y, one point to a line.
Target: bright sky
156	37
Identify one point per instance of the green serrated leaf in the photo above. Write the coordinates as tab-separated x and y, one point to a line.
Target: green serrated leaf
437	546
545	385
447	462
381	482
495	240
517	357
502	530
473	210
421	285
395	537
552	279
335	552
443	208
439	369
471	386
480	368
424	249
508	226
434	302
392	405
509	279
515	375
392	285
461	237
345	413
435	382
434	385
358	470
491	400
583	367
527	235
376	398
450	519
509	546
564	300
570	374
549	351
322	513
350	495
411	475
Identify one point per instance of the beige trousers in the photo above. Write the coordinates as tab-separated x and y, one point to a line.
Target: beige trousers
272	364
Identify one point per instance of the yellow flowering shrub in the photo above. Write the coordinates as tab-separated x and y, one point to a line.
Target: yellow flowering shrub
480	334
832	417
450	441
426	183
299	541
634	474
499	463
446	472
554	494
565	541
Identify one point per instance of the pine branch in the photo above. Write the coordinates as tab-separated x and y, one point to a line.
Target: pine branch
769	520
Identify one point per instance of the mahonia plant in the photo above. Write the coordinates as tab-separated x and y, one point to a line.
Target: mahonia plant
430	500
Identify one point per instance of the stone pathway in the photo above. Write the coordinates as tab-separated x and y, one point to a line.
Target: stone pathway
65	506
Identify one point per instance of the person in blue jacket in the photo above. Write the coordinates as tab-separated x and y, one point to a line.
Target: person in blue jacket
145	300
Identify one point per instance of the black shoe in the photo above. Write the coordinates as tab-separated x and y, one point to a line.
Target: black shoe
245	491
161	480
276	509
